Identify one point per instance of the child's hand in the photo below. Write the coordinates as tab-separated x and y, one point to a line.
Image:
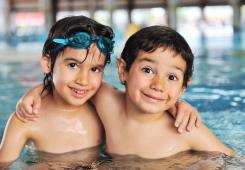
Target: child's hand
28	106
186	116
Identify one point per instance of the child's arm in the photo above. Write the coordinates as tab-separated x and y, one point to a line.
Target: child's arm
203	139
14	138
27	108
186	116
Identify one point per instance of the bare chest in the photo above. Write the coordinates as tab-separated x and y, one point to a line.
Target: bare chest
148	142
65	136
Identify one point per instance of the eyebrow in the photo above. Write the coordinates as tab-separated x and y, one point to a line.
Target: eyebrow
154	62
147	60
73	59
80	62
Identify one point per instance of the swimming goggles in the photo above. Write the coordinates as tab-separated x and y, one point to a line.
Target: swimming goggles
84	40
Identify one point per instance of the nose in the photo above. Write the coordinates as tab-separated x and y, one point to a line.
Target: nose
82	77
158	84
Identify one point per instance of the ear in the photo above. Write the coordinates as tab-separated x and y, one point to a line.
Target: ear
184	88
122	73
45	62
182	91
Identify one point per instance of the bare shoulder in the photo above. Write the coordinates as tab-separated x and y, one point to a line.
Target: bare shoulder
107	96
203	138
17	126
14	121
197	135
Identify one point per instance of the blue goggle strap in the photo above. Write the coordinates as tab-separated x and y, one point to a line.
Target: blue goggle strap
84	40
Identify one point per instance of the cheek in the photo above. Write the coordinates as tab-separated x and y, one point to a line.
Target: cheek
61	76
175	92
135	80
135	84
96	81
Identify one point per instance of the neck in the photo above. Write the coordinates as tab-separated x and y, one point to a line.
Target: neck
60	106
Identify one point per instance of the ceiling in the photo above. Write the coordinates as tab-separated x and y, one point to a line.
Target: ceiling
72	5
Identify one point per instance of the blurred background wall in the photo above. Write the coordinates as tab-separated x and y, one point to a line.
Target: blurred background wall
24	21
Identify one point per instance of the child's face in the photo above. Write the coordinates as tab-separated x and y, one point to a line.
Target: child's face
75	77
155	80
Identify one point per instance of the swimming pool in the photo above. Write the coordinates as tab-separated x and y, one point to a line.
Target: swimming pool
217	90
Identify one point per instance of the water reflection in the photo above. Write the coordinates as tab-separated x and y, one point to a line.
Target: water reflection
184	160
34	159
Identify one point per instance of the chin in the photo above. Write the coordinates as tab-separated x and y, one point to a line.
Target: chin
155	107
77	102
153	110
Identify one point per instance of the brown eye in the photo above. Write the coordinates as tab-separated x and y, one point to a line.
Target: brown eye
72	65
96	69
147	70
172	77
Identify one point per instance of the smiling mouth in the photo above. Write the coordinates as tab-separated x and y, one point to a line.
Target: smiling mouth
78	93
154	98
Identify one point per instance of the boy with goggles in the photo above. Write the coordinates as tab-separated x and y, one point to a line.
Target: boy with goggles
80	90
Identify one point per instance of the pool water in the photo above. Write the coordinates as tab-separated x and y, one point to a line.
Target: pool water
217	90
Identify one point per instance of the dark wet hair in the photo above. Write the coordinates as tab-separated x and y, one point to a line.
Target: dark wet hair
151	38
66	28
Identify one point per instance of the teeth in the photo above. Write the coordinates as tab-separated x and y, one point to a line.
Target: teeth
79	91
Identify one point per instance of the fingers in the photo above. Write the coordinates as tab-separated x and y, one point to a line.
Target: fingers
188	120
20	115
187	117
191	122
25	109
36	106
29	105
179	118
24	112
19	111
195	118
198	120
183	124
